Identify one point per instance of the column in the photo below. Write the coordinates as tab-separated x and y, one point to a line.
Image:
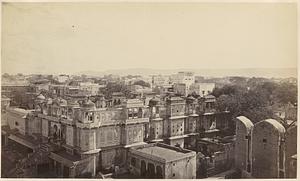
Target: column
54	167
5	140
61	169
94	165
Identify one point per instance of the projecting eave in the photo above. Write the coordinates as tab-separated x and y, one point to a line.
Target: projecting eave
178	117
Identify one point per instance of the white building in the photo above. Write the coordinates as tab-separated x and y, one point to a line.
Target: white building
160	80
186	78
62	78
90	88
180	88
201	89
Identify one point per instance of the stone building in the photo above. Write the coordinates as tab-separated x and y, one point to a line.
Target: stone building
187	78
174	122
217	155
271	146
80	140
5	102
117	98
213	123
190	123
268	149
243	145
156	121
89	88
160	80
181	88
80	136
162	161
291	149
202	89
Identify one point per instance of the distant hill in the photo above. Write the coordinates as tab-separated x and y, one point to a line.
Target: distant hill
249	72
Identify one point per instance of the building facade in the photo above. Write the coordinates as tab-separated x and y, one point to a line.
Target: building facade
162	161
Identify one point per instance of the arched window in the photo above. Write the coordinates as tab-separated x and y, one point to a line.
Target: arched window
130	113
90	116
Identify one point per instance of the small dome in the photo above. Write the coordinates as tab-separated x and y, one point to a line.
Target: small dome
41	97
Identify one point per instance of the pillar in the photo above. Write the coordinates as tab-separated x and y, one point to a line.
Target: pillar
61	169
94	165
54	166
5	140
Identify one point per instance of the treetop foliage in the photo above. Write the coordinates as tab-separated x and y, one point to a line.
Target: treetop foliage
255	97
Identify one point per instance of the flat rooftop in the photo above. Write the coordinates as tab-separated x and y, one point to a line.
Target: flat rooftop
163	152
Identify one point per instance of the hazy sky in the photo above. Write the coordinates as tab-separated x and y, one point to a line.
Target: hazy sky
73	37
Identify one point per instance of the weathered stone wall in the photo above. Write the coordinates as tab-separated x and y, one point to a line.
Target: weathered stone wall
290	149
243	150
266	149
177	127
108	136
133	134
181	169
156	129
16	122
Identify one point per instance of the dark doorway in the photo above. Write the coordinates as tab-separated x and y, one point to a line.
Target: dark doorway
66	172
151	170
58	169
159	173
143	169
42	168
100	161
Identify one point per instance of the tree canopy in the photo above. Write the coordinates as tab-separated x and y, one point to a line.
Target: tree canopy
254	98
142	83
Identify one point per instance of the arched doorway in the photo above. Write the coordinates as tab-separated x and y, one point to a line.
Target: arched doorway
159	173
143	169
151	170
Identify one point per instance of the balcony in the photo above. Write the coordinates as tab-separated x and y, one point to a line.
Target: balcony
136	120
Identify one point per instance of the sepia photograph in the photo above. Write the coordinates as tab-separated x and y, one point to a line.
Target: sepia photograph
149	90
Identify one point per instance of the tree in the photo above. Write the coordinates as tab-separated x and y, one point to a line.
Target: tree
255	98
142	83
115	87
239	100
286	92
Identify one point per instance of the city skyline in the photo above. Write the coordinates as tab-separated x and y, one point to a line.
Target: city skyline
147	35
